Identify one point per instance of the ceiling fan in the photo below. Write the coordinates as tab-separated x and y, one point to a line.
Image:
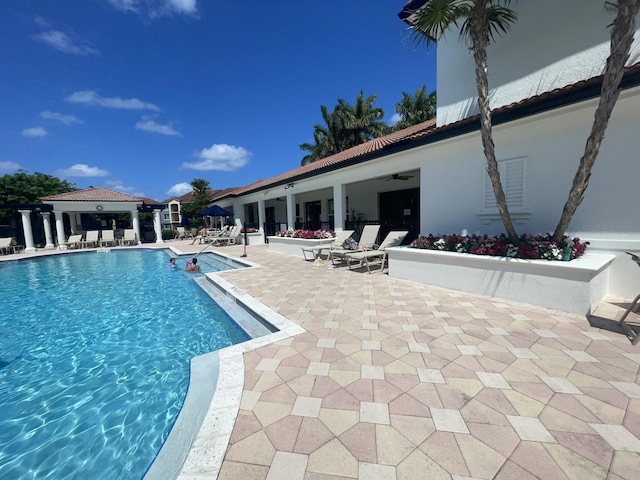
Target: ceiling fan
397	176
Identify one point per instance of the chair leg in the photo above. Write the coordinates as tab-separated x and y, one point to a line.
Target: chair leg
635	337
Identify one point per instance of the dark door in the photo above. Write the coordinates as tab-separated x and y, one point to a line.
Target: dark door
400	210
313	211
270	219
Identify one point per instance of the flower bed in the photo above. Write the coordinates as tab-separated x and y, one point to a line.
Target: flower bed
306	234
528	247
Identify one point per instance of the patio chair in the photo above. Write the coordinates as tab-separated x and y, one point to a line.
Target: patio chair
335	242
393	239
212	235
129	237
72	242
367	242
5	245
182	234
231	239
91	239
631	334
108	239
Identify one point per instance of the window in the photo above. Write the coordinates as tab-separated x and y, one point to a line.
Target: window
513	178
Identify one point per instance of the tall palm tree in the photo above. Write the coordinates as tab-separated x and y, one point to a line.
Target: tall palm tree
414	109
479	22
622	33
347	126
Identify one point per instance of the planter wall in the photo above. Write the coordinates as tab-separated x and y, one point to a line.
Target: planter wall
255	238
578	286
294	246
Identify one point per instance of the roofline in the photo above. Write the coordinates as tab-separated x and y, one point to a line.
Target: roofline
547	101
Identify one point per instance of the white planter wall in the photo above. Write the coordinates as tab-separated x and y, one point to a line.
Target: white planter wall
577	287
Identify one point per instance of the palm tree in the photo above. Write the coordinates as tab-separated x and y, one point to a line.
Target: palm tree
414	109
480	21
345	127
622	33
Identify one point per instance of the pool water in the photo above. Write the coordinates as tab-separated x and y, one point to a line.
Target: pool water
94	360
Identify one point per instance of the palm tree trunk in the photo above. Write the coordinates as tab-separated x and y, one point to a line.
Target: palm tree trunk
624	27
479	38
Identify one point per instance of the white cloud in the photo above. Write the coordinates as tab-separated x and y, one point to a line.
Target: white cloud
179	189
226	158
9	166
34	132
81	170
395	118
90	97
64	43
120	187
59	117
155	127
157	8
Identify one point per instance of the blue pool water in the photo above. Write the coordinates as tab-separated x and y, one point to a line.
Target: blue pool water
94	360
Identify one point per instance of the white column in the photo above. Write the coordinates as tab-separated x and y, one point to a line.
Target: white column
136	224
291	211
60	227
261	214
339	206
156	226
46	220
27	230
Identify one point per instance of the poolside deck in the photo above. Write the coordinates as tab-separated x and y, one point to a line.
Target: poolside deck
397	380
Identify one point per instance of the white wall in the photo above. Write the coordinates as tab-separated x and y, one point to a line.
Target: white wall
553	44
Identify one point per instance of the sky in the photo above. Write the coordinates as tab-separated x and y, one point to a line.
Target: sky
144	96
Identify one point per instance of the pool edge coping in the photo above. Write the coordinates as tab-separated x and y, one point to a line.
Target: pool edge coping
209	444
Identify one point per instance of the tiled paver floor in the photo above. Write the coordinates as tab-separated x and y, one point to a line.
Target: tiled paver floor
393	380
396	380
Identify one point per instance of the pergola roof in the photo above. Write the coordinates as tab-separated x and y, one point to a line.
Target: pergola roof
93	195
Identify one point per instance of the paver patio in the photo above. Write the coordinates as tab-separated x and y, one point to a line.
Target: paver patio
397	380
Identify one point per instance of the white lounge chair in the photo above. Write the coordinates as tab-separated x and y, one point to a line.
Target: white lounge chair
367	242
335	242
129	237
91	239
108	239
72	242
5	245
393	239
231	239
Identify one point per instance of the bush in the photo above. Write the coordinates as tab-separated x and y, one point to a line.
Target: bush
539	247
308	234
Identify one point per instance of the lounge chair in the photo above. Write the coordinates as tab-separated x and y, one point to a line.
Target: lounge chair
91	239
108	239
335	242
72	242
5	245
231	239
182	233
367	242
129	237
211	237
393	239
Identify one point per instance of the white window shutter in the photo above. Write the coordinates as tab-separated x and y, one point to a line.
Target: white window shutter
512	178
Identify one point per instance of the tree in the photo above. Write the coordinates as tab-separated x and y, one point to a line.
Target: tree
200	201
479	21
622	34
347	126
414	109
22	187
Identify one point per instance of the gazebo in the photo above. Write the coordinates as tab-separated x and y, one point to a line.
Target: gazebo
92	200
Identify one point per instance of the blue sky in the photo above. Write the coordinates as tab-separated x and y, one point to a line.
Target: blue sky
143	96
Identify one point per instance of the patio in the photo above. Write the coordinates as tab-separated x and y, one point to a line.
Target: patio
398	380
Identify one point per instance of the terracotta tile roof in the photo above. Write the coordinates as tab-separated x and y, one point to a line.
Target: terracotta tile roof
188	197
416	135
93	195
372	146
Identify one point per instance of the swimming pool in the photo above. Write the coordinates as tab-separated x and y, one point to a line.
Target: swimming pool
94	360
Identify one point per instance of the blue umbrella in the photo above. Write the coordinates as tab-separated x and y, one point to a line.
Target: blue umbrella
216	211
185	220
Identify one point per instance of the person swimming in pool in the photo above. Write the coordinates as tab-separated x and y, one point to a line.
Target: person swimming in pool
172	263
192	266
